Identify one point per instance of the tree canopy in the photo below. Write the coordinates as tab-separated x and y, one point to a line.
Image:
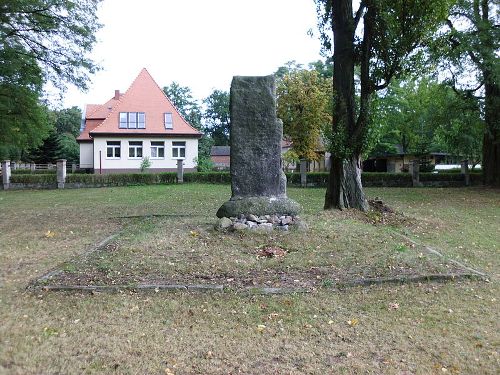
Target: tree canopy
216	117
56	35
427	116
304	107
41	41
468	49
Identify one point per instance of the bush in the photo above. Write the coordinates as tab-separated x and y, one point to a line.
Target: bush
47	178
320	179
386	179
208	177
428	177
29	171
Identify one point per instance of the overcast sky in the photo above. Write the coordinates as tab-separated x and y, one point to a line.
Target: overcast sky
198	43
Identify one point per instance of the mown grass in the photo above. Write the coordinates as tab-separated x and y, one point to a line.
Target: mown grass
416	329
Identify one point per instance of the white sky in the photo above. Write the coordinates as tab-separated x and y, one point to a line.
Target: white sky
198	43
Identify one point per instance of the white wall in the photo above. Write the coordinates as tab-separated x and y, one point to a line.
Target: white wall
124	162
86	155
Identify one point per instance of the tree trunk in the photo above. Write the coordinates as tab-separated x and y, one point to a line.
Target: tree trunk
491	141
344	188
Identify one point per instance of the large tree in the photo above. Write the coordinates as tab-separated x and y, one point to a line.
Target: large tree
422	116
380	40
56	34
303	106
472	44
41	41
68	120
216	117
24	120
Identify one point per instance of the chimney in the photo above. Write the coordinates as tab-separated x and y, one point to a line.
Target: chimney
117	94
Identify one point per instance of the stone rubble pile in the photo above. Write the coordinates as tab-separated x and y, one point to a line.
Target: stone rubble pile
262	223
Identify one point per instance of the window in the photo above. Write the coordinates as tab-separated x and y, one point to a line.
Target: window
113	149
132	120
141	120
123	120
157	150
179	150
135	149
168	120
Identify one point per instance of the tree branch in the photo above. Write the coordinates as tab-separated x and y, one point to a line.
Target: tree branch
359	13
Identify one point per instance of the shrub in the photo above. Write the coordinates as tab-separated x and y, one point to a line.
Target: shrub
208	177
145	164
29	171
47	178
441	177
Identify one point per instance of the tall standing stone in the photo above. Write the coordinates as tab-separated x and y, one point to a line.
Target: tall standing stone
61	173
6	174
258	183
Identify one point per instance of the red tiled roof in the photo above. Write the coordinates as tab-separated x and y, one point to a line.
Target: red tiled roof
144	95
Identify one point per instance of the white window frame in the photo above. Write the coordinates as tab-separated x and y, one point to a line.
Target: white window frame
134	145
127	119
168	120
157	147
177	148
111	145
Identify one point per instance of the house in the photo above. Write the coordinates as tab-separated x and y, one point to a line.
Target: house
116	136
399	162
221	156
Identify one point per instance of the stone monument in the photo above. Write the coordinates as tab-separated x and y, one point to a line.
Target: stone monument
258	183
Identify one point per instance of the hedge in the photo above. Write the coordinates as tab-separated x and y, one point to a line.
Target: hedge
29	171
118	179
208	177
317	179
47	178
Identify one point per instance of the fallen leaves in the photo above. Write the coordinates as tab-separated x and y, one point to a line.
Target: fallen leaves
272	252
50	234
393	306
353	322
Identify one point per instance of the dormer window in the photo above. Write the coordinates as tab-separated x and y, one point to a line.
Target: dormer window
132	120
168	120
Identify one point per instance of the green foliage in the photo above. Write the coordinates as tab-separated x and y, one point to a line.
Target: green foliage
216	117
55	36
68	148
41	41
28	171
24	121
388	45
48	152
290	67
182	98
425	116
468	49
42	179
208	177
145	164
68	120
204	164
121	179
304	107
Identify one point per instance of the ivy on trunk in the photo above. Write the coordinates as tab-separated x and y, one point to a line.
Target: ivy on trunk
392	33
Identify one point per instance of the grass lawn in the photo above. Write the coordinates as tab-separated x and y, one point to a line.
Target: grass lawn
386	329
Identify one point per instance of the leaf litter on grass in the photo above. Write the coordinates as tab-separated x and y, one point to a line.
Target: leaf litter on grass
339	248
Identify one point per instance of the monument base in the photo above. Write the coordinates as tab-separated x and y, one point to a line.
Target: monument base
260	205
